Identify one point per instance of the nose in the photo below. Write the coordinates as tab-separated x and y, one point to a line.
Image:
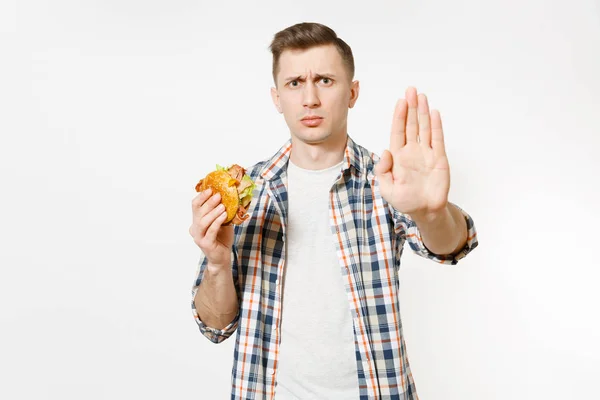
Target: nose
310	96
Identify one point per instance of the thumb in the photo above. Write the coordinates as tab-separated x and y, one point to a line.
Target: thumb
383	169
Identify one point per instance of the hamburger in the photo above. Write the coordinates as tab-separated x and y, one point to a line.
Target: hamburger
235	188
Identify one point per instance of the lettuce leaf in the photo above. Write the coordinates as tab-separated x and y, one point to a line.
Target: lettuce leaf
248	191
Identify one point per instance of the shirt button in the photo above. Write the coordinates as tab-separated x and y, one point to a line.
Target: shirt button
271	371
277	281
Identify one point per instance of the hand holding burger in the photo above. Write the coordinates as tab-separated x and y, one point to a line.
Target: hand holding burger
213	216
235	188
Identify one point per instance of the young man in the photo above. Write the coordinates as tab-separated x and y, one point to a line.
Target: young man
310	281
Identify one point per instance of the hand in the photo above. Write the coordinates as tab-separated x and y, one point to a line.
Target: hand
214	240
414	175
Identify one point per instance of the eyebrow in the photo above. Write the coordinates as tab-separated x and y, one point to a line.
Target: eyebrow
317	76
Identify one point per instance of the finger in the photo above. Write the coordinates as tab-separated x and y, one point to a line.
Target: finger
397	136
202	212
208	220
208	206
201	198
424	121
383	169
213	229
412	120
437	134
385	163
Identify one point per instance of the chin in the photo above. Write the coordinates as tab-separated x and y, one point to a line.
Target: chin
312	135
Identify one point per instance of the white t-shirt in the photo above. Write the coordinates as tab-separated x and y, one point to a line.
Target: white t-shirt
317	354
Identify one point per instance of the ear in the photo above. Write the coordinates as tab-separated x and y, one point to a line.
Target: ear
354	89
275	98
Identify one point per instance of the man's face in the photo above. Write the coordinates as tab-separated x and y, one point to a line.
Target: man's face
314	83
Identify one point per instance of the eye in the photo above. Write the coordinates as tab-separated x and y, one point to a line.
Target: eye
293	83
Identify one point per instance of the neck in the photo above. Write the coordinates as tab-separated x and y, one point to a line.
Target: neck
318	156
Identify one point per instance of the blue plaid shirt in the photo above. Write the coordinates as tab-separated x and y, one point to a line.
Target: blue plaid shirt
369	236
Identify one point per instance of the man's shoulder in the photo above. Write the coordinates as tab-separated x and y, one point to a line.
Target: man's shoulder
271	165
365	157
255	170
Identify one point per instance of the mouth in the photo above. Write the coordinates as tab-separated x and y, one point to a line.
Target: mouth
311	117
311	120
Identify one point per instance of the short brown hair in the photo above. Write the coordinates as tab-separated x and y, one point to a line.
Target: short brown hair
304	36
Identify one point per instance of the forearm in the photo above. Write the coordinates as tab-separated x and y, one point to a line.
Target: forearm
444	232
216	300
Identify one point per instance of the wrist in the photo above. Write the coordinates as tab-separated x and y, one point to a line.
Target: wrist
430	217
217	269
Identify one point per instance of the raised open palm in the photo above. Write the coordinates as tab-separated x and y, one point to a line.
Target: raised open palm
414	174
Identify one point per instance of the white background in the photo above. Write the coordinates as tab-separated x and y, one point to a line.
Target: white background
110	111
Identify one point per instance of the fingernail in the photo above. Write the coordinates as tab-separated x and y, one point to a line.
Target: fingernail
207	191
221	207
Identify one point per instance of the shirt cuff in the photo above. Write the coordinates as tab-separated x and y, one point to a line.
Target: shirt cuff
213	334
415	241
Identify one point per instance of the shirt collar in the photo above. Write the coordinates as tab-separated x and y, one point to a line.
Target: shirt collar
278	163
